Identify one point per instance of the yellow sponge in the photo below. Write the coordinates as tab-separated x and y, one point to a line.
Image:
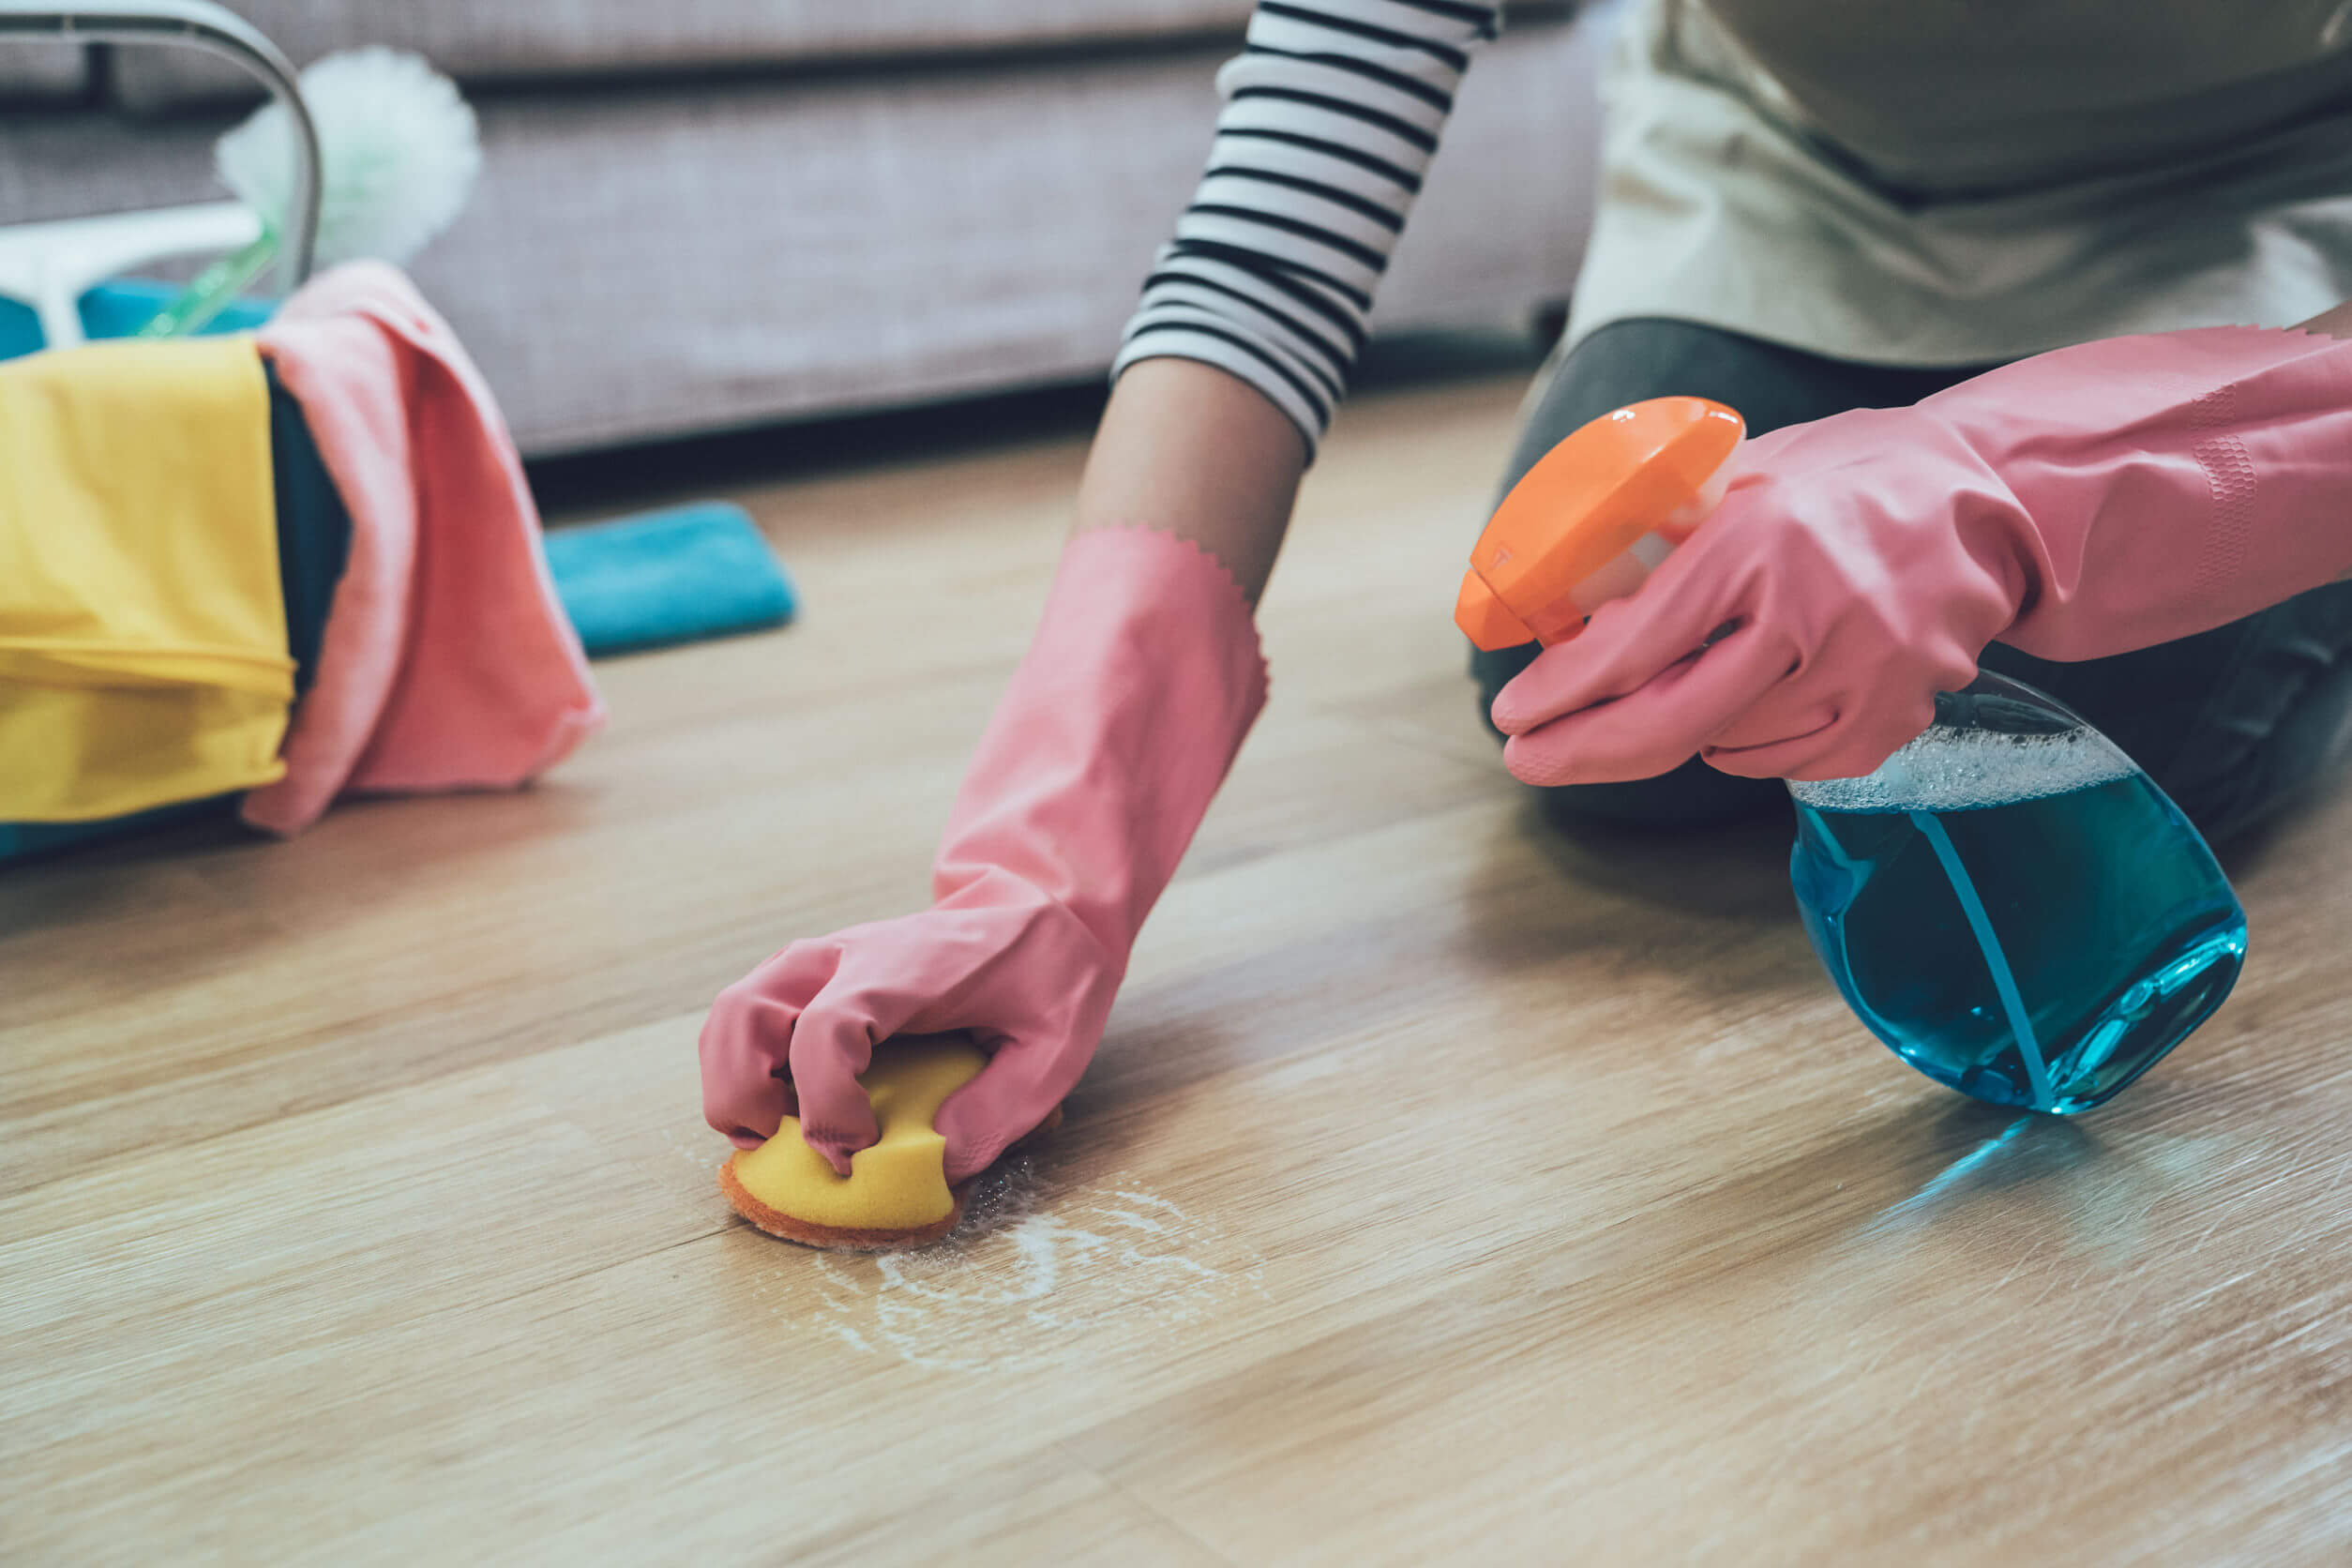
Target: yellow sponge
897	1192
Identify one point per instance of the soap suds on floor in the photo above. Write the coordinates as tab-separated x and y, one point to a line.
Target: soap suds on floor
1033	1276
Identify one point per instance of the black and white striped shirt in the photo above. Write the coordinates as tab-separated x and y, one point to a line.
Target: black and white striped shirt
1332	115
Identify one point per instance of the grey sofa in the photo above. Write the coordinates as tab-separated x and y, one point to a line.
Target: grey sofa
704	214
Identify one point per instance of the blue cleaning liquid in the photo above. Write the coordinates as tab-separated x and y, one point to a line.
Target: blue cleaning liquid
2026	919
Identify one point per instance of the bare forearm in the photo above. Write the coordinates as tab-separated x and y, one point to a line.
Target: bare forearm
1187	448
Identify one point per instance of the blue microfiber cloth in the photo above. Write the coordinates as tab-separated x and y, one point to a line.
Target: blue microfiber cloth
668	577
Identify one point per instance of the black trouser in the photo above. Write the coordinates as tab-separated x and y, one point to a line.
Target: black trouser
2233	723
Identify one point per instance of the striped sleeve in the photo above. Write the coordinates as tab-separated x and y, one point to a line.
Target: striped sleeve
1332	115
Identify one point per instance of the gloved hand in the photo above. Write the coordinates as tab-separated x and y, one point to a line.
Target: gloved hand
2083	503
1141	682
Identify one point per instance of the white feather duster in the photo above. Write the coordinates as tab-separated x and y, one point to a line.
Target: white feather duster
397	156
397	153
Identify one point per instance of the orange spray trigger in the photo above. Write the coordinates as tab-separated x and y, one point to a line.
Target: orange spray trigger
1484	619
1589	522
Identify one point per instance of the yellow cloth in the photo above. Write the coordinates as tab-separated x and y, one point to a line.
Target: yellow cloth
143	630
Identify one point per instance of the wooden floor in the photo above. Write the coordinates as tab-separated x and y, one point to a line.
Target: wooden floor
1445	1190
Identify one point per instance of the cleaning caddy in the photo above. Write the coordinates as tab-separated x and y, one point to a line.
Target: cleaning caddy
255	572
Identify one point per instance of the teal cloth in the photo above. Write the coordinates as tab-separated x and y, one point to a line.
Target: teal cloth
313	530
668	576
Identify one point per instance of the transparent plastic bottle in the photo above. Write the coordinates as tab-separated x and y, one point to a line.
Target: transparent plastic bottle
2012	906
2009	903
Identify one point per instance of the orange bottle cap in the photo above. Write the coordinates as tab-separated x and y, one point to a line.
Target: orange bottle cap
1591	521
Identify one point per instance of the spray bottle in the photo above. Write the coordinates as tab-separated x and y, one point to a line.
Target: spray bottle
2008	902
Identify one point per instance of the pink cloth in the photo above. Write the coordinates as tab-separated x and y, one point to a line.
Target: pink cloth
448	661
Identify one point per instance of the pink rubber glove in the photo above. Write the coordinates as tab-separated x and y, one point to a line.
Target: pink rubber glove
1143	678
2083	503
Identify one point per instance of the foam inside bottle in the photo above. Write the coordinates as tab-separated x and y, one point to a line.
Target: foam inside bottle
1968	770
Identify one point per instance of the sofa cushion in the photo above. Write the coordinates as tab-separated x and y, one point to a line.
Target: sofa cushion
42	72
511	40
